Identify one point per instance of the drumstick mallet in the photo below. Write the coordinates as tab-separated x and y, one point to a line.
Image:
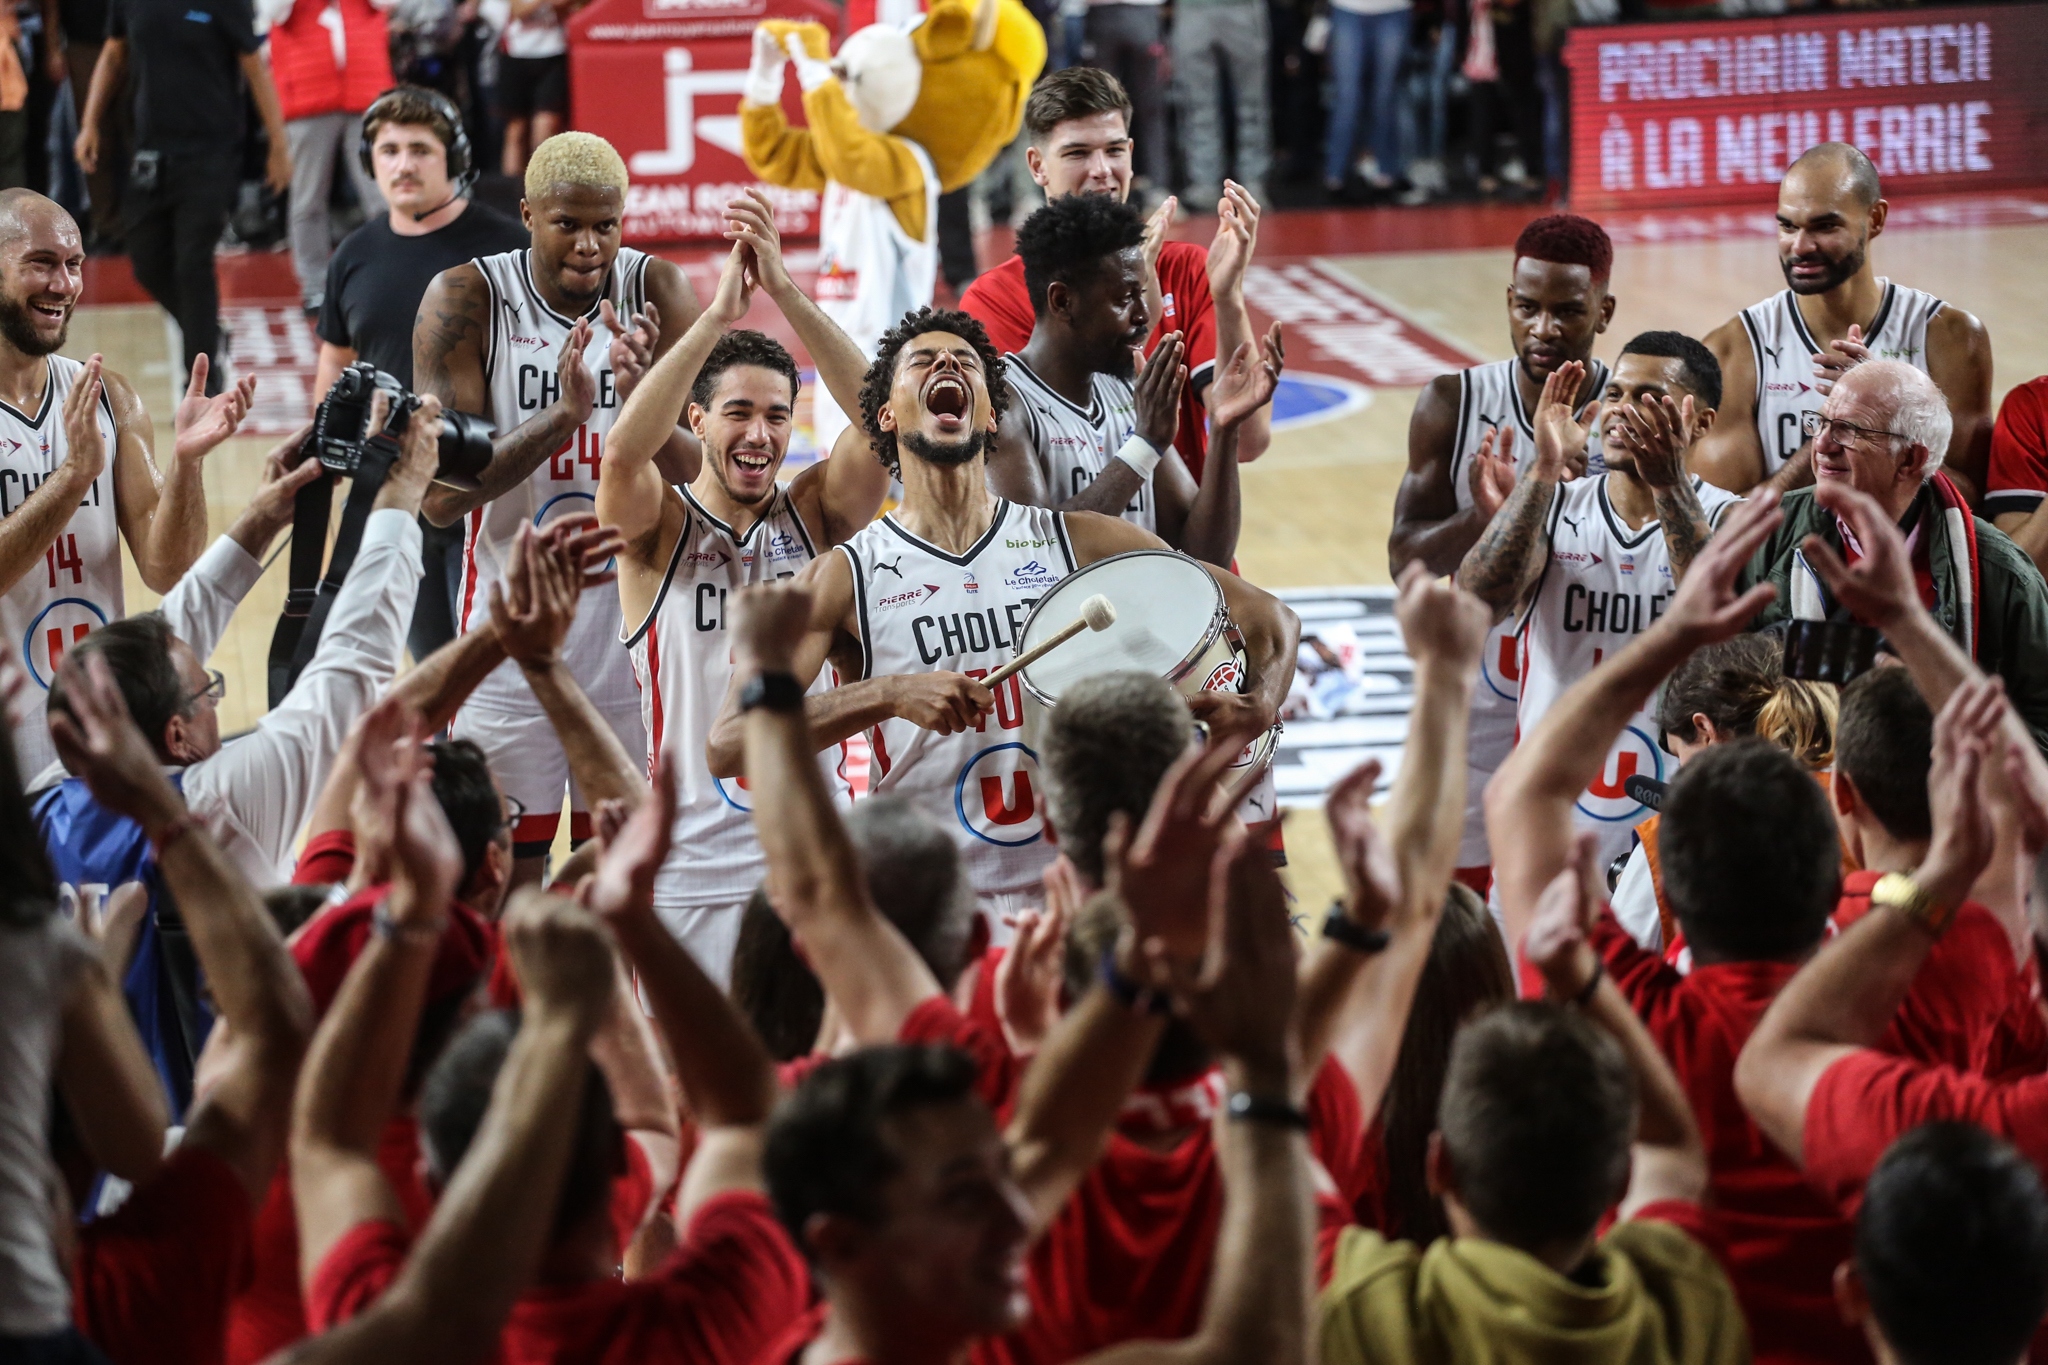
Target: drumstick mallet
1097	613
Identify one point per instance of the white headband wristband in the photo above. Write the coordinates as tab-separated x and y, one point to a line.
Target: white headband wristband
1137	452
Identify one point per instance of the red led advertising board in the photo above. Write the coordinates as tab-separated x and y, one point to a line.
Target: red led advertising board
1673	115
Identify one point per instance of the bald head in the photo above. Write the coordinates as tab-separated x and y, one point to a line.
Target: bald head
42	270
1838	170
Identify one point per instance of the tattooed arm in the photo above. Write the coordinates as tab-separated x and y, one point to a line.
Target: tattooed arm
1508	559
1661	433
448	341
1686	529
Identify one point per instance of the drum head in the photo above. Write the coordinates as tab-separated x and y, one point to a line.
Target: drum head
1168	610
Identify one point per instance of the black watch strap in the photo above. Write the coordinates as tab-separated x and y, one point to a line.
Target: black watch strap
1341	928
1128	993
1245	1107
772	691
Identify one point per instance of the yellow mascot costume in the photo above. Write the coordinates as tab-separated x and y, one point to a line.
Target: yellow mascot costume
893	119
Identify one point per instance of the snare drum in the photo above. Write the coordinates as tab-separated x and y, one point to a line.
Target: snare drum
1170	622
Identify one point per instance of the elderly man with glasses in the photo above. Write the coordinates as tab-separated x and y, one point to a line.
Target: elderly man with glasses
1882	433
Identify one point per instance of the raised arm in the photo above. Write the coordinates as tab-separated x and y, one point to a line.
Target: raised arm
1844	999
1660	433
161	503
1161	878
488	1229
841	365
448	340
1507	560
869	970
1204	520
726	1075
27	533
1670	1158
256	986
1260	1289
1529	802
356	1067
1354	1004
1237	235
1428	523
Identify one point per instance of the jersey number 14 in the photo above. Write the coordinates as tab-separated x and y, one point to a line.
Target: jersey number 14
63	557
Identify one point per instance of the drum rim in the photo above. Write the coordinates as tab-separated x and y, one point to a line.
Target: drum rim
1218	619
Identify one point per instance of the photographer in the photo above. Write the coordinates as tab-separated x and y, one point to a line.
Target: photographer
415	146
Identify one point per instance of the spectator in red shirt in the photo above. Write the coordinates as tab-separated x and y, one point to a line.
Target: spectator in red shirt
1079	122
1751	867
151	1281
1951	1260
2017	479
488	1233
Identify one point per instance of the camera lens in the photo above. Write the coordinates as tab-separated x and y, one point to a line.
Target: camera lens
465	449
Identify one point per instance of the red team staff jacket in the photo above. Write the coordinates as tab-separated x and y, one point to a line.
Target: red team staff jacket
1000	302
1783	1235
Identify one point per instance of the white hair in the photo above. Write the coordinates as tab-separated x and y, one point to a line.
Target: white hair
1919	412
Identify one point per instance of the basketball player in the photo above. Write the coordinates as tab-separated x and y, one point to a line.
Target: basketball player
1077	435
1079	125
1780	357
510	337
919	606
78	466
1557	304
688	551
1591	562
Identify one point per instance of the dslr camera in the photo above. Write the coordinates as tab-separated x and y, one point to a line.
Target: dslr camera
341	427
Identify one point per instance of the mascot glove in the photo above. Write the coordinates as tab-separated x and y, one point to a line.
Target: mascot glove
810	72
764	76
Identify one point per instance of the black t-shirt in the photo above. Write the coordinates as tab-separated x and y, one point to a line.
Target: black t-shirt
184	63
377	278
83	21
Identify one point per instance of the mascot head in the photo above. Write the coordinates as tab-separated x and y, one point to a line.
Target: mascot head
881	70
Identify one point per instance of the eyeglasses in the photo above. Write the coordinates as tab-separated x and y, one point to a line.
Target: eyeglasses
1843	433
216	688
515	811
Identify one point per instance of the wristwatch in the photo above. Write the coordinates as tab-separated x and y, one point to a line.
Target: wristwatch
772	691
1907	896
1339	927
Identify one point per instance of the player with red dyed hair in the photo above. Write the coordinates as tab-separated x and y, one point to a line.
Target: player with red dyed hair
1557	304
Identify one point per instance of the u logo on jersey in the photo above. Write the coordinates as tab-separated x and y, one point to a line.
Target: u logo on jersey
997	796
1635	754
1502	672
56	628
733	791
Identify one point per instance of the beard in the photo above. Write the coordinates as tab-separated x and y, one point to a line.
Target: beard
18	326
945	454
1123	364
1838	271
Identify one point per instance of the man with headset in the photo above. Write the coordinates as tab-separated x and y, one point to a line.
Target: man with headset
414	145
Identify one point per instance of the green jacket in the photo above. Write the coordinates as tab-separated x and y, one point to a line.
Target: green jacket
2010	623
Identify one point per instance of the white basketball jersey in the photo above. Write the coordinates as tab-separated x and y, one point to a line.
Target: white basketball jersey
524	343
77	587
1488	397
1784	352
923	610
1603	586
1074	445
870	273
682	660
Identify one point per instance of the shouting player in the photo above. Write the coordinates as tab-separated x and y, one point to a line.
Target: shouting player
687	551
1780	357
78	467
1077	434
1079	122
919	606
1591	562
509	337
1557	304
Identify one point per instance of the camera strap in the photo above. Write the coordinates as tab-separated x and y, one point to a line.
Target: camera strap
310	597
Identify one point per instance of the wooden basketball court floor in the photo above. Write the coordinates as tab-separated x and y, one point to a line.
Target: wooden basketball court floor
1375	301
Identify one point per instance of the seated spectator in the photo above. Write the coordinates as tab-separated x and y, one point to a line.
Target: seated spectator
2017	478
1541	1106
1883	431
1951	1258
1725	691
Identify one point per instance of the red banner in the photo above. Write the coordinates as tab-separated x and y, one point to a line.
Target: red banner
661	80
1677	115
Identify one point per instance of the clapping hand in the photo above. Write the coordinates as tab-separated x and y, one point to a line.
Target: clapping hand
201	423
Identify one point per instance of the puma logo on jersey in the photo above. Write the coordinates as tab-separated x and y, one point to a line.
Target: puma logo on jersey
1772	352
1573	522
1486	420
894	566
